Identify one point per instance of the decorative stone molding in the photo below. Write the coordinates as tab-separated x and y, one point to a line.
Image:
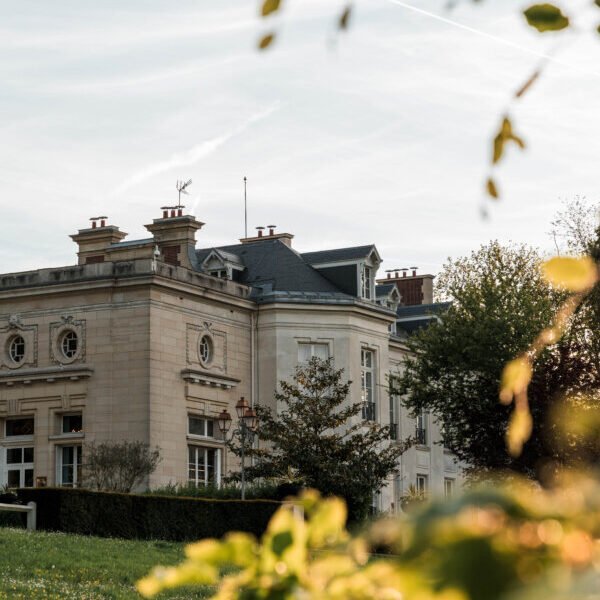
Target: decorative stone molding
58	330
15	328
209	379
45	375
194	334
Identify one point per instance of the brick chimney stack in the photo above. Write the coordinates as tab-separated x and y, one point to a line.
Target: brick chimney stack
175	235
414	289
286	238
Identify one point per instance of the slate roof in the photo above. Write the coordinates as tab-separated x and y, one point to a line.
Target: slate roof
272	265
413	318
338	254
383	289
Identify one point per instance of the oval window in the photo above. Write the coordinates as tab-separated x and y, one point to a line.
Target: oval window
16	349
205	349
69	344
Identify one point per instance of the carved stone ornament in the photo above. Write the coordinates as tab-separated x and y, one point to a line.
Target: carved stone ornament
15	322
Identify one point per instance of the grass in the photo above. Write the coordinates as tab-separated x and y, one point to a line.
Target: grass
57	566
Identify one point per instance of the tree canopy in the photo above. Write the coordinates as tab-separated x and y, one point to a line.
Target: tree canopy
500	303
318	436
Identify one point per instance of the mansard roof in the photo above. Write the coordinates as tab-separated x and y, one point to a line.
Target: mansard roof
274	266
340	254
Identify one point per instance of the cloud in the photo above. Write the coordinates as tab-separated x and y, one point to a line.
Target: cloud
193	155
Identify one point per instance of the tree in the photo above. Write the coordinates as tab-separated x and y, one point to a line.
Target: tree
500	304
118	466
318	436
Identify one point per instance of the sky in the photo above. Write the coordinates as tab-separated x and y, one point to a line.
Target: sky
378	135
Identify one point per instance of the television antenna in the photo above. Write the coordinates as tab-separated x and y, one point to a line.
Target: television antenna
181	189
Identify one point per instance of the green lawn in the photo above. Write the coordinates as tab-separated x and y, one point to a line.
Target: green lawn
61	566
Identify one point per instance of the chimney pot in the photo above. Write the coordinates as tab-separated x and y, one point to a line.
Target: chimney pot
179	212
389	275
271	229
102	223
93	224
165	214
260	231
172	212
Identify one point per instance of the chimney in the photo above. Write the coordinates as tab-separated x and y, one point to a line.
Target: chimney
414	289
95	240
286	238
175	235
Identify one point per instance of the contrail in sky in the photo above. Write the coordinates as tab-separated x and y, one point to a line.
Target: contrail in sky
193	155
490	36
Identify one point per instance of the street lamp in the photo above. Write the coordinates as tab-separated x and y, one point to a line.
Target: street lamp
246	428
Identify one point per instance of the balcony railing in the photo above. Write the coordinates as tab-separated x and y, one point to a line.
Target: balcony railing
368	411
421	436
393	431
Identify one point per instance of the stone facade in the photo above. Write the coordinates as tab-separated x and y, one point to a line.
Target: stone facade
139	342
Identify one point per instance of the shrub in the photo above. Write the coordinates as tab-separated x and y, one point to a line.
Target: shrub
134	516
255	491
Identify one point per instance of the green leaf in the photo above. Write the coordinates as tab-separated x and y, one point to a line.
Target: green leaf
270	6
546	17
281	541
345	17
266	41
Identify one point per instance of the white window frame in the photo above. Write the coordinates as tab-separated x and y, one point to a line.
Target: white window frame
77	463
422	423
369	412
422	483
220	273
218	459
312	352
367	288
204	435
20	467
449	487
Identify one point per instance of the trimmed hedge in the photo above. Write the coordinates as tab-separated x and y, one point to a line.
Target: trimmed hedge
145	517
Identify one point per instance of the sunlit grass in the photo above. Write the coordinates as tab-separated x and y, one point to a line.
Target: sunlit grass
61	566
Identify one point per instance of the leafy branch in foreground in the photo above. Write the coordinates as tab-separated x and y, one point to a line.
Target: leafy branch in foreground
502	543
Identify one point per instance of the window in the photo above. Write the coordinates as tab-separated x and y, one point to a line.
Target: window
69	344
421	429
220	273
204	465
68	465
422	484
72	424
366	282
308	350
201	426
19	427
205	349
449	484
19	467
393	409
16	349
367	379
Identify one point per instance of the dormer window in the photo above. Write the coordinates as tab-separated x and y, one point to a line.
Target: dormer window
220	273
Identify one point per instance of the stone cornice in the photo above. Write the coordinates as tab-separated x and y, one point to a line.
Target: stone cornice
208	378
45	374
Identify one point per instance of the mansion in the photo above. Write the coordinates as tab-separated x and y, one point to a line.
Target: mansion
152	339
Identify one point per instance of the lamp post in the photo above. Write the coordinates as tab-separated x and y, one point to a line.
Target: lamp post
246	428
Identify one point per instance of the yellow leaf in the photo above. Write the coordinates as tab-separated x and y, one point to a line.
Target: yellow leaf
266	41
515	379
573	274
506	134
519	430
327	523
270	6
492	190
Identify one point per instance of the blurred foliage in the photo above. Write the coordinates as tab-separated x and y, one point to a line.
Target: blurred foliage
255	491
510	542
